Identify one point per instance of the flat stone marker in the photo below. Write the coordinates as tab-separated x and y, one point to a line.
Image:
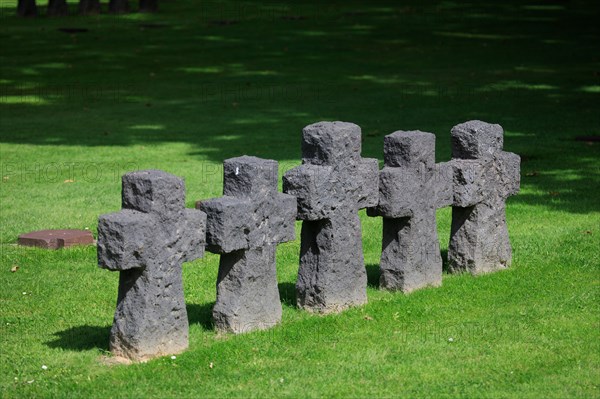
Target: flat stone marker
147	241
484	177
245	226
56	239
331	185
411	187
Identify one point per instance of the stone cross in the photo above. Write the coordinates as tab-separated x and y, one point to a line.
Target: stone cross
245	226
331	185
484	177
147	241
411	187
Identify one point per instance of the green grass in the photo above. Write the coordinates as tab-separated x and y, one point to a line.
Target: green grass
187	93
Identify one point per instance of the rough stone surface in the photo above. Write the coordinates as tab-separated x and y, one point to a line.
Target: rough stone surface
56	239
147	241
484	177
411	187
245	226
331	185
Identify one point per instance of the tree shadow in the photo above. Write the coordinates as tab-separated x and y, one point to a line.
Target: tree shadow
201	314
287	294
373	274
246	95
81	338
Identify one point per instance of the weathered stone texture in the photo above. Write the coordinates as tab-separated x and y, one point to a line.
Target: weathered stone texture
147	241
484	177
411	187
331	185
245	226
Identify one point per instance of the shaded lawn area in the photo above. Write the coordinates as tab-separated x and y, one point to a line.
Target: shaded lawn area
184	89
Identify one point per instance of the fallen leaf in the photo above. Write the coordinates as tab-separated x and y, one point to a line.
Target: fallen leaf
14	268
69	181
367	317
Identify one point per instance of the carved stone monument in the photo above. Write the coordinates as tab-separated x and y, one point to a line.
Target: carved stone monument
147	241
331	185
484	177
245	226
411	187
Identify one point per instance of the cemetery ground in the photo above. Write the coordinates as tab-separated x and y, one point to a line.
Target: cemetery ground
186	88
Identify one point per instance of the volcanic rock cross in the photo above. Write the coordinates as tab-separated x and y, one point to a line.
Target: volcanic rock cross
411	187
147	241
484	177
245	226
331	185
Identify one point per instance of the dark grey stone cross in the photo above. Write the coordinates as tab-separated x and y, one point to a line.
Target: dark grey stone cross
484	177
411	187
331	185
245	226
147	241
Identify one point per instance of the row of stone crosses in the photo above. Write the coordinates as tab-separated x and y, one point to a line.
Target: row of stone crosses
152	235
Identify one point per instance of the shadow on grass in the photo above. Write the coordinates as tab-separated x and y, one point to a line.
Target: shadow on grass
373	274
255	96
287	294
445	261
201	314
81	338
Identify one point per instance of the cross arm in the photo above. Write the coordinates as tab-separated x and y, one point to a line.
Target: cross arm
193	237
282	219
444	190
469	181
368	175
125	240
395	193
311	185
226	223
510	173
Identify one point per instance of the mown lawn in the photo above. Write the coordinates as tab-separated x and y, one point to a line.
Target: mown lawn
200	82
